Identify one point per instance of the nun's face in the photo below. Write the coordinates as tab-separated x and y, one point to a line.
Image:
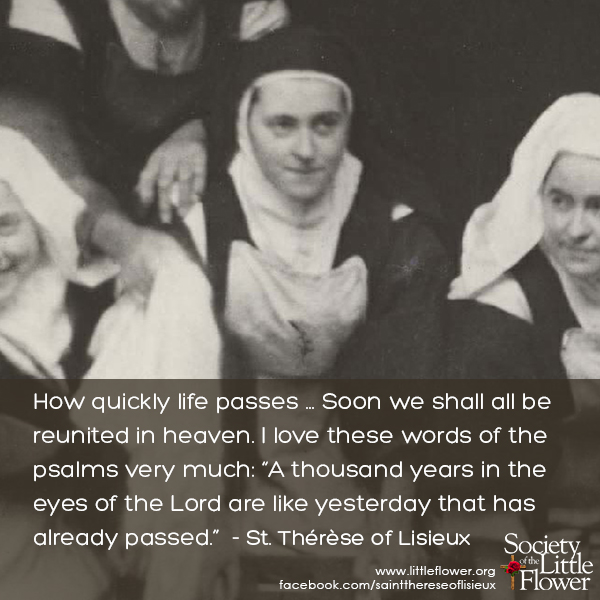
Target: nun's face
571	209
299	131
20	248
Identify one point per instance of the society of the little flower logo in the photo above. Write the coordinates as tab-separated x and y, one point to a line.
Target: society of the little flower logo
552	564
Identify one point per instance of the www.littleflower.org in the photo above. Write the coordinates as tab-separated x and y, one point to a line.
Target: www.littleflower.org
436	571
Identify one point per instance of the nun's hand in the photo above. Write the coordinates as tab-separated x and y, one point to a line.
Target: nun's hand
140	252
175	174
150	252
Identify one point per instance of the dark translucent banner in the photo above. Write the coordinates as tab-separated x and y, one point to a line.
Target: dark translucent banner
314	489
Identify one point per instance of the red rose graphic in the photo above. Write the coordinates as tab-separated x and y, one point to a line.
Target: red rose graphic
513	567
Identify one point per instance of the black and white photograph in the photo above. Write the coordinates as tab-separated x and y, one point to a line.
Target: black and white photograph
299	299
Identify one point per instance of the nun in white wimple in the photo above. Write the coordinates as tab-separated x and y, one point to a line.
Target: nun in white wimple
534	251
538	207
307	248
528	297
290	305
302	222
39	271
170	334
296	184
39	262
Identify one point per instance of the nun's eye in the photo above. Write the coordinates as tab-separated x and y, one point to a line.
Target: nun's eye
9	223
327	123
593	204
561	202
282	125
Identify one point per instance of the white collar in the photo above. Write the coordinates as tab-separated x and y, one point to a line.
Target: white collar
306	242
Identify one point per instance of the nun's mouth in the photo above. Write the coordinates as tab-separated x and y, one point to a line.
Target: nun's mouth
579	251
582	256
306	171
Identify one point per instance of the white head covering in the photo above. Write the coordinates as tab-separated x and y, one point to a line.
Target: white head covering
35	330
274	223
500	233
52	204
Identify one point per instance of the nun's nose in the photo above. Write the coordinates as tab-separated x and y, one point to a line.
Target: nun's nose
579	226
305	145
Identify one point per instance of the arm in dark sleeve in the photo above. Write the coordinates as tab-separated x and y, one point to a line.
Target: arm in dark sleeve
402	337
403	334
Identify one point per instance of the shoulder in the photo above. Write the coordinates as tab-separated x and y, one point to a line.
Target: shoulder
406	204
417	231
514	327
407	259
403	204
417	252
507	295
491	335
487	342
402	336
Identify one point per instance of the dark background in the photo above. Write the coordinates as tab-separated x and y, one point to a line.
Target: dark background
461	81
